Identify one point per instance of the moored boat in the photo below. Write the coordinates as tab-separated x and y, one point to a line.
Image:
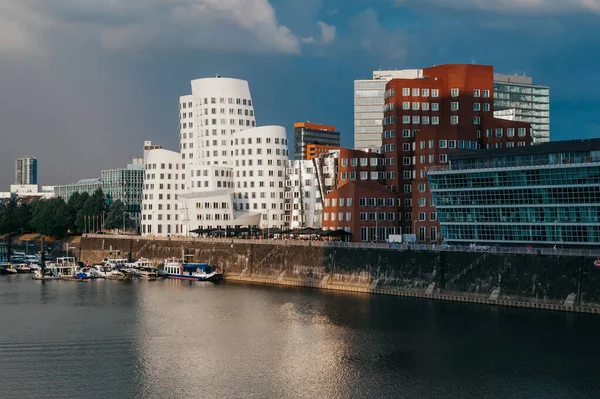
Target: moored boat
176	269
7	268
23	268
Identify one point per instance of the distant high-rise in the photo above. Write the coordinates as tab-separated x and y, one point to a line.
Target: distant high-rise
306	133
26	171
517	98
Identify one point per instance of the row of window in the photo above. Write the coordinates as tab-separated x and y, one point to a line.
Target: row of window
416	92
522	233
240	122
534	214
213	111
213	100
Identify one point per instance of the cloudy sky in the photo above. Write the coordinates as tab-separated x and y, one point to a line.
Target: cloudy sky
84	82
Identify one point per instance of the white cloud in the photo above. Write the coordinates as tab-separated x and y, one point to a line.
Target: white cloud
309	40
327	32
236	26
514	6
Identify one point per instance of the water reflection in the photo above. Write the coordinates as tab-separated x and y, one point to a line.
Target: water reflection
174	339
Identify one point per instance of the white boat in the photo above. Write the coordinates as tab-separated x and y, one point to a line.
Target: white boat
177	269
37	275
7	268
141	262
22	268
63	267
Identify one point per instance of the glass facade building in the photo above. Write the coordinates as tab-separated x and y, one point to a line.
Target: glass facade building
525	102
25	171
306	133
544	194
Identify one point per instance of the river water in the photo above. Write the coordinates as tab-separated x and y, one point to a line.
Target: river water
173	339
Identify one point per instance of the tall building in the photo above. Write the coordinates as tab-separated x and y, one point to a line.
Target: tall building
316	150
525	101
515	98
543	194
26	171
306	133
449	109
232	173
368	106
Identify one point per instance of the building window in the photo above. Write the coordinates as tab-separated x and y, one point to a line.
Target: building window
486	94
406	133
425	120
406	147
476	93
476	120
435	93
433	217
425	106
454	106
435	120
499	132
415	119
486	107
415	92
454	119
443	144
443	158
510	132
454	92
425	92
406	119
422	216
435	106
405	91
476	106
451	143
415	106
522	132
364	234
363	216
406	105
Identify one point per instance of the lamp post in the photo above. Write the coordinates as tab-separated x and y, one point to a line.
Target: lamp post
124	213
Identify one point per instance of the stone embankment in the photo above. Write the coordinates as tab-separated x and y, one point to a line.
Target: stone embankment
568	283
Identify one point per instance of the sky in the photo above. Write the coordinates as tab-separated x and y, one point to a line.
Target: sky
84	82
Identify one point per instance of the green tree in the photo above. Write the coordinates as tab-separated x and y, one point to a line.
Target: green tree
76	209
50	217
9	223
118	216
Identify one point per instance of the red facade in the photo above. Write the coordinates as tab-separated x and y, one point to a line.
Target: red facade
364	208
357	165
449	109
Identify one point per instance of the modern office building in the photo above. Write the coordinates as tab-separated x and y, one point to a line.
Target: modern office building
525	102
82	186
515	98
26	171
306	133
123	184
544	194
368	106
449	109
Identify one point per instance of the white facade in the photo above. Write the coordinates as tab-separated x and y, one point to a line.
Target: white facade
163	182
232	173
307	183
368	106
249	190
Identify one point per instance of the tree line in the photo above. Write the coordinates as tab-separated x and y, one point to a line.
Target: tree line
57	218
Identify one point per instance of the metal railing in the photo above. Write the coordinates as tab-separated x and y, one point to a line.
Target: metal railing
589	252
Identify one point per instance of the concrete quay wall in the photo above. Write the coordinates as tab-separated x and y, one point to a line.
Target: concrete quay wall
537	281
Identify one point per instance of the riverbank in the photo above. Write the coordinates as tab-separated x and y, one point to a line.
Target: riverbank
563	283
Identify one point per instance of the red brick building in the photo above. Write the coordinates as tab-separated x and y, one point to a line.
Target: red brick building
357	165
449	109
364	208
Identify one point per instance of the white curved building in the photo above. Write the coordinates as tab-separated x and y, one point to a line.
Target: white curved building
163	182
249	192
235	171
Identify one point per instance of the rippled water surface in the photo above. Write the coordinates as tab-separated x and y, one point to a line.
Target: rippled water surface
172	339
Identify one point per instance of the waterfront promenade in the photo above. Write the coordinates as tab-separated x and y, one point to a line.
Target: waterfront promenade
558	251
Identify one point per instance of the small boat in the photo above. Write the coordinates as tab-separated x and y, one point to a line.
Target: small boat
37	275
23	268
7	268
174	268
63	267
